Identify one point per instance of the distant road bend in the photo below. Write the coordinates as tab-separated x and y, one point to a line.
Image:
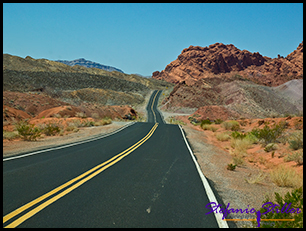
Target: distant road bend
144	175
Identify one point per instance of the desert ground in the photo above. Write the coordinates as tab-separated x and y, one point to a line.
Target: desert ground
248	184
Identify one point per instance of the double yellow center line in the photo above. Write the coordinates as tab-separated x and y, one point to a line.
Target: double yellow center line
152	107
86	177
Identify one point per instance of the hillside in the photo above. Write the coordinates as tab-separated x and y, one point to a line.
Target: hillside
89	64
221	60
222	80
15	63
292	91
230	98
57	79
44	88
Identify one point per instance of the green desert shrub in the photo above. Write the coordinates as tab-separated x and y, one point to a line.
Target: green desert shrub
231	167
296	140
103	121
241	145
253	139
296	157
51	129
28	131
207	121
75	123
269	135
218	121
193	120
71	127
295	144
294	200
231	125
223	136
270	147
80	115
9	135
238	135
209	127
88	123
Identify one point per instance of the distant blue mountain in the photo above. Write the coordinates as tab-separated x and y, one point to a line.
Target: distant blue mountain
86	63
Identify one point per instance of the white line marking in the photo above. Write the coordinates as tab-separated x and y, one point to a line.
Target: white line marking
209	192
69	145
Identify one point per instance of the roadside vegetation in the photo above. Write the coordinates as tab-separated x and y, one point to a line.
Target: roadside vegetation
57	126
295	200
275	147
28	132
275	139
173	120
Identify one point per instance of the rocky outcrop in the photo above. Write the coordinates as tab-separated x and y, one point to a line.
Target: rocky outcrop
279	70
296	57
197	62
221	60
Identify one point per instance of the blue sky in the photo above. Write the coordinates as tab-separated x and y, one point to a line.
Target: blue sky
143	38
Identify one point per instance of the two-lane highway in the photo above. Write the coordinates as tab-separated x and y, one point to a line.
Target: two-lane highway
141	176
153	114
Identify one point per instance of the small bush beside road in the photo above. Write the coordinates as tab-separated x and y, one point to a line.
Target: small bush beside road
28	131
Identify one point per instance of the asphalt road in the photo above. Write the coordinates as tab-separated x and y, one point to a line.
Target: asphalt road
141	176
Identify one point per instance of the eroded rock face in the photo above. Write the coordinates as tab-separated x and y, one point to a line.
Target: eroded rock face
279	70
197	62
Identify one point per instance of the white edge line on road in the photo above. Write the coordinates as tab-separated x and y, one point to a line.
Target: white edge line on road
69	145
209	192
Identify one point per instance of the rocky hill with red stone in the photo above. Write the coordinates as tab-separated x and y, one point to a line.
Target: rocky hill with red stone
279	70
221	60
224	81
233	98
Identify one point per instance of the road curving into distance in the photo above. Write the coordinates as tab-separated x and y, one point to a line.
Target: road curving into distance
144	175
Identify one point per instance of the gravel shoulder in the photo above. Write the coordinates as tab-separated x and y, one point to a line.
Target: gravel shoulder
231	186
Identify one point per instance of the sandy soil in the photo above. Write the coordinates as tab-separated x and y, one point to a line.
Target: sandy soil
19	146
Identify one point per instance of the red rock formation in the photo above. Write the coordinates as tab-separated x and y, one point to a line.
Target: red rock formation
196	62
279	70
